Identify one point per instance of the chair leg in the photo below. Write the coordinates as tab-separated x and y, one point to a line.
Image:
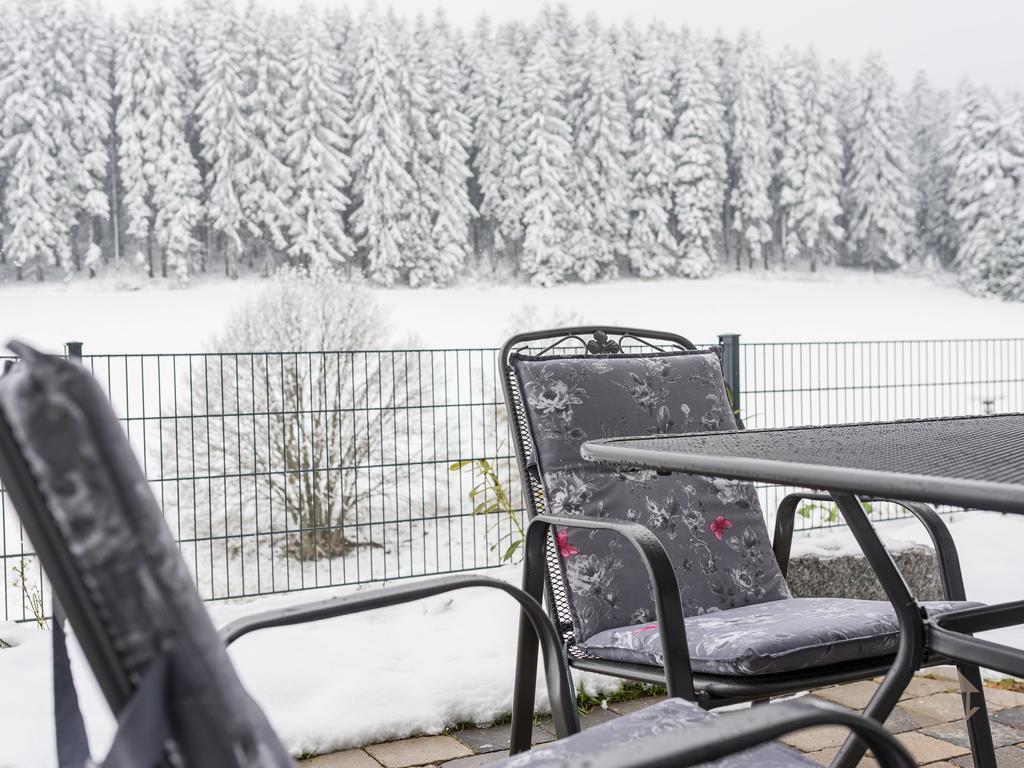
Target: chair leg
976	712
524	691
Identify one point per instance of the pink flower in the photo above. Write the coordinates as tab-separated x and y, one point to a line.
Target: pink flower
720	524
564	546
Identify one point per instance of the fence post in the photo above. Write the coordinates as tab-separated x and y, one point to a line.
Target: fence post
73	349
731	365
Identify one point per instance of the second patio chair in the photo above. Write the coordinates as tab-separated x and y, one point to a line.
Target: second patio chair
623	555
112	563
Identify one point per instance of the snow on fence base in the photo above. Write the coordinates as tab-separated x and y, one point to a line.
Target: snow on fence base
283	472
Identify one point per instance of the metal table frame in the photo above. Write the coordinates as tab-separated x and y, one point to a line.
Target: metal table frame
949	636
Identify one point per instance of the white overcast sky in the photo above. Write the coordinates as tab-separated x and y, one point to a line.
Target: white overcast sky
949	39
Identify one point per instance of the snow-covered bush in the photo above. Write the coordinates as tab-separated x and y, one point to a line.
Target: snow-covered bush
283	429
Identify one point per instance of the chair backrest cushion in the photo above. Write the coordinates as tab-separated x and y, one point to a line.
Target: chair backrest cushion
713	530
120	548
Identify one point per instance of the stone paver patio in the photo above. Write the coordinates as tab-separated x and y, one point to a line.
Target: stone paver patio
928	720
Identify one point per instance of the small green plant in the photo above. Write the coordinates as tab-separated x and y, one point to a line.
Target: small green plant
30	593
3	644
491	497
829	512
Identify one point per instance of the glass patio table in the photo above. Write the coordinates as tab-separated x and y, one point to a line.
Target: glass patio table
972	462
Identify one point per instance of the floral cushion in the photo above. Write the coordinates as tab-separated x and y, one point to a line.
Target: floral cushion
782	636
713	530
661	718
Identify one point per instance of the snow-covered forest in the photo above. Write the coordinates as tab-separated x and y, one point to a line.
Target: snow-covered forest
224	141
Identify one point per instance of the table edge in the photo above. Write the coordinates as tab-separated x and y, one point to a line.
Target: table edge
1000	497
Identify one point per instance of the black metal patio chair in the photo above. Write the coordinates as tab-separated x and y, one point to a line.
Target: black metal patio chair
117	573
671	578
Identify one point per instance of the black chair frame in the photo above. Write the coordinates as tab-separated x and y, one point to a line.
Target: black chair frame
543	576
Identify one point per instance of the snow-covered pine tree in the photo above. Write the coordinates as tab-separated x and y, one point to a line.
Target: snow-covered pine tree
32	126
87	115
545	166
750	149
512	40
316	144
928	119
1010	269
881	215
450	136
652	248
700	171
158	173
982	189
810	166
599	119
223	73
422	205
488	64
267	193
380	151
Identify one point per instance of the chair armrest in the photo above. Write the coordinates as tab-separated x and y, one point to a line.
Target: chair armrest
945	548
668	604
736	731
556	673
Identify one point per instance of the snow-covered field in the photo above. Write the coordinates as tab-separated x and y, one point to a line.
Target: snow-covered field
775	306
412	669
320	693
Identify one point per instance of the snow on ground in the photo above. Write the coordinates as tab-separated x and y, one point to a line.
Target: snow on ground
798	306
416	668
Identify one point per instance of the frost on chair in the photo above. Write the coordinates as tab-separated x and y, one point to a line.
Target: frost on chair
623	555
163	667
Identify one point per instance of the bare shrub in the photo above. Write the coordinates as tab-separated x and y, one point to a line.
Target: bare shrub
285	426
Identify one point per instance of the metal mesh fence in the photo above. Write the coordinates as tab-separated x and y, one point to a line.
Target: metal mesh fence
280	472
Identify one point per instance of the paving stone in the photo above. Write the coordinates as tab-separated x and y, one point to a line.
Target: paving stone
1000	698
596	717
476	761
350	758
852	695
495	737
421	750
935	709
924	686
1007	757
826	756
927	749
901	721
956	733
1013	717
634	705
815	739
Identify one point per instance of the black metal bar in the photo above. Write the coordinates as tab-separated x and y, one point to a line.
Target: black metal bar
910	650
559	683
731	366
975	650
734	732
983	618
668	608
73	349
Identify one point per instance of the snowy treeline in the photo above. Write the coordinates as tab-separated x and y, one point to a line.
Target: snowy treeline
219	140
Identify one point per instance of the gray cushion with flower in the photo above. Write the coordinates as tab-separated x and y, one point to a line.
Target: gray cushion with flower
713	530
664	717
782	636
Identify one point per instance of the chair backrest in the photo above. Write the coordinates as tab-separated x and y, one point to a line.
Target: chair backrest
568	385
101	538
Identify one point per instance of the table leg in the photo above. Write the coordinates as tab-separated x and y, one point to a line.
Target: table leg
911	643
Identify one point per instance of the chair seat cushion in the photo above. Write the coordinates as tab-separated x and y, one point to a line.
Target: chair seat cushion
658	719
770	638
